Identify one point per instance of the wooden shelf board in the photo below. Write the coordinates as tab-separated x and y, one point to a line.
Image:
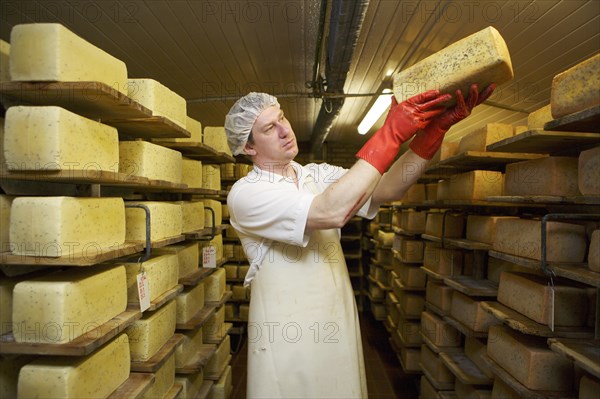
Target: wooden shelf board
195	277
163	242
155	362
465	330
201	152
75	176
440	386
472	287
81	346
447	395
408	233
225	330
483	160
433	274
440	349
520	389
587	120
165	297
522	323
585	353
224	298
546	142
403	287
96	101
198	361
111	253
198	320
174	392
204	389
459	242
134	387
207	231
408	344
436	310
545	200
216	376
398	255
464	369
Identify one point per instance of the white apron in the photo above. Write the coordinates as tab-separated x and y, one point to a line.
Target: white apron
303	331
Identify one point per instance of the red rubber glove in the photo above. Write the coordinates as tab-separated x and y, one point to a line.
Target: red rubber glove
401	123
428	141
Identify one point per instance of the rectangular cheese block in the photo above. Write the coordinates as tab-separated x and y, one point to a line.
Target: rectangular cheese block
192	213
191	173
543	176
219	359
385	238
410	358
482	228
594	252
415	193
447	150
10	367
191	384
4	61
426	389
59	307
166	220
148	334
479	139
409	331
412	276
228	170
538	118
211	177
411	304
96	375
208	215
49	52
476	185
5	204
66	226
520	129
240	292
453	225
475	350
155	162
431	191
244	311
566	242
465	391
189	347
433	364
214	136
576	89
188	256
214	286
497	266
213	329
439	295
159	99
410	251
481	58
502	391
444	261
193	126
231	311
588	387
468	312
534	297
7	285
222	388
443	191
588	175
529	360
164	378
392	307
438	331
189	303
162	272
52	138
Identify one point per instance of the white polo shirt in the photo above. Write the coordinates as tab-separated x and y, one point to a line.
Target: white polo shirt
266	207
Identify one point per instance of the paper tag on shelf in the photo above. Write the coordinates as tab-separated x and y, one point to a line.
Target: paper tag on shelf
209	256
143	291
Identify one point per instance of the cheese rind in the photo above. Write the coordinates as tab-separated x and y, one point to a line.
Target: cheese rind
213	329
52	138
469	312
159	99
192	215
94	376
450	227
475	350
543	176
215	137
4	61
482	228
443	261
191	125
577	88
538	118
589	172
415	193
594	252
166	220
439	332
49	52
191	384
214	286
5	204
529	360
481	58
161	272
565	242
148	334
191	173
218	360
432	363
144	159
164	378
448	149
222	388
66	226
189	302
188	256
211	177
190	345
216	207
531	296
439	295
588	387
476	185
479	139
10	366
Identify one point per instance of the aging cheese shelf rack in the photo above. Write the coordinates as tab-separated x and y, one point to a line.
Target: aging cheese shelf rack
546	142
134	387
155	362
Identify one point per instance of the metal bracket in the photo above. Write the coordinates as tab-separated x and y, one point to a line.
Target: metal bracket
148	249
213	230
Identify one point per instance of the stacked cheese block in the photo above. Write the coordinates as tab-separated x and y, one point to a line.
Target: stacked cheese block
380	278
214	137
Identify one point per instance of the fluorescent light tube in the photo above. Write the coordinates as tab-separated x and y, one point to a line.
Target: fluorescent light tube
379	107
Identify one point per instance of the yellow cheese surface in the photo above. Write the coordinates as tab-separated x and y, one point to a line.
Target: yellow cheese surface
61	306
217	209
5	204
439	295
542	176
443	190
191	125
189	302
148	334
61	226
211	177
213	329
444	261
413	221
439	332
191	384
453	225
192	213
448	149
214	136
222	388
577	88
588	172
218	360
412	276
415	193
188	256
189	347
4	61
162	272
479	139
482	228
191	173
10	366
469	312
214	286
166	220
481	58
93	376
164	378
538	118
141	158
52	138
217	243
159	99
476	185
49	52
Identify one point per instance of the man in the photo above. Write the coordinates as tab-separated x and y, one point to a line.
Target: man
303	331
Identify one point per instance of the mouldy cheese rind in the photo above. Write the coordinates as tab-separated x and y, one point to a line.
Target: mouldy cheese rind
481	58
589	172
577	88
556	176
49	52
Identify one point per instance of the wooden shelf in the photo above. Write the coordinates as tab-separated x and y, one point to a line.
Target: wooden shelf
202	152
546	200
546	142
155	362
134	387
217	376
224	298
398	255
435	310
165	297
459	243
163	242
520	389
199	361
521	323
587	120
465	330
464	369
80	346
440	349
96	101
472	287
204	389
198	320
407	288
433	274
586	354
483	160
75	176
207	231
408	233
195	277
174	392
440	386
111	253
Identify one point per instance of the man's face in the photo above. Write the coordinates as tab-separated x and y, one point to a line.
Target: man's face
274	140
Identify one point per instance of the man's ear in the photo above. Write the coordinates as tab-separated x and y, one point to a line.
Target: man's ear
249	149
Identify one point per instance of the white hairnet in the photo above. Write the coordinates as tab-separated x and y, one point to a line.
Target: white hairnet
241	117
